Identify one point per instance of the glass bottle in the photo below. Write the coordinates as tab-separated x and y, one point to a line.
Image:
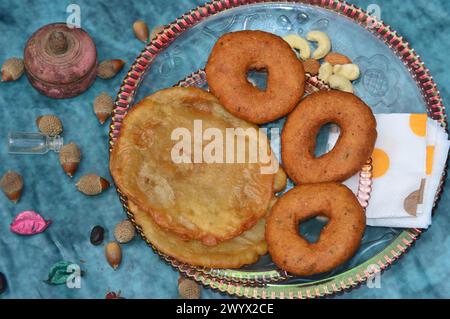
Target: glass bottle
33	143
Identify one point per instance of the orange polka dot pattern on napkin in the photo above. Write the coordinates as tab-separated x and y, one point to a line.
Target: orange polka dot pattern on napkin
406	169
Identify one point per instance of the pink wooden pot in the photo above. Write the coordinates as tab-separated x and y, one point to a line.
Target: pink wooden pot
60	62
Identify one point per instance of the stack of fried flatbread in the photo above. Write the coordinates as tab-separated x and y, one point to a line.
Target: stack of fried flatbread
201	213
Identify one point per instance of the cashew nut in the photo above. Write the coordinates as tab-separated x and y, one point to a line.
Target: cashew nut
349	71
323	44
338	82
325	71
300	44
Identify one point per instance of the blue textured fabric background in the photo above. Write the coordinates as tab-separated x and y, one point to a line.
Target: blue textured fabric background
423	272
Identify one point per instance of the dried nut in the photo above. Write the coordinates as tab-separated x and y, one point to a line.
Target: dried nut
109	68
323	44
335	58
340	83
155	31
69	157
325	71
114	295
349	71
113	254
92	184
97	235
300	44
141	30
124	232
188	289
3	283
103	106
280	180
311	66
12	69
12	185
49	125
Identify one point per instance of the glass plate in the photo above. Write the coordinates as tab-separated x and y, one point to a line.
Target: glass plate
387	64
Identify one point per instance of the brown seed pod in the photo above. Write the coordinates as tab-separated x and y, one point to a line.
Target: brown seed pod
97	235
69	157
124	232
311	66
103	106
12	69
113	295
155	31
109	68
188	289
113	254
92	184
49	125
3	283
12	185
141	30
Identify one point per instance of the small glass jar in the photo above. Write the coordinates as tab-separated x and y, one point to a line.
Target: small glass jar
33	143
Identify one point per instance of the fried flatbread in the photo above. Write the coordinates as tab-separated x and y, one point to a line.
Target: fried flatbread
197	201
234	253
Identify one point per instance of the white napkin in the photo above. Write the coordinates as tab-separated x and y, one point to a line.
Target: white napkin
409	159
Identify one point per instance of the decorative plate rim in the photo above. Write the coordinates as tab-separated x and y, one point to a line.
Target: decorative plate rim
384	32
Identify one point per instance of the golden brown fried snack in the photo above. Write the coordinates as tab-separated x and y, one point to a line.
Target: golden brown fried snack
280	180
354	146
197	201
234	253
338	241
235	54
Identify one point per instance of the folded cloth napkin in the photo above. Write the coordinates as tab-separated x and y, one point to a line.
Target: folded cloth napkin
408	161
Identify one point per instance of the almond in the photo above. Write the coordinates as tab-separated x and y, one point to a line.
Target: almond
141	30
311	66
335	58
113	254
